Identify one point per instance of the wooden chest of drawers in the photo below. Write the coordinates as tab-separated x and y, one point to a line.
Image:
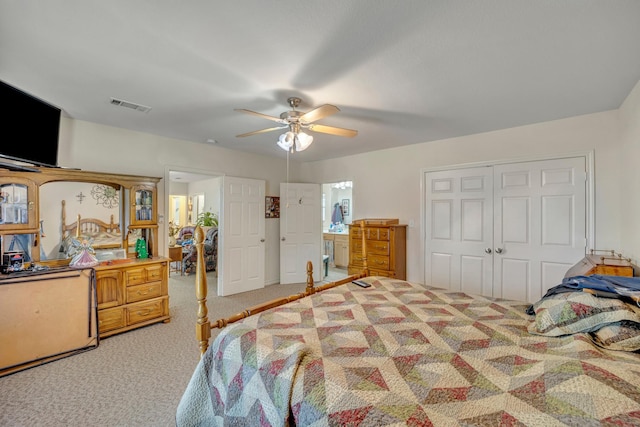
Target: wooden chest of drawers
386	252
132	295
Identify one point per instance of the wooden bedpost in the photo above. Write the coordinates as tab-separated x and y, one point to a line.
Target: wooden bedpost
78	232
310	289
203	328
64	218
364	249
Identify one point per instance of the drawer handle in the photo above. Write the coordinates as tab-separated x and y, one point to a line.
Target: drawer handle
380	262
145	292
143	312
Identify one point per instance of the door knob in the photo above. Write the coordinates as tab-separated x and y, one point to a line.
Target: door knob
498	250
487	250
262	240
283	239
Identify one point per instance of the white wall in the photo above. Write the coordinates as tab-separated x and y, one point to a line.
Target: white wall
387	183
211	190
629	162
95	147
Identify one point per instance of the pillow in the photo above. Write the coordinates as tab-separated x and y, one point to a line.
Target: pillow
574	312
624	335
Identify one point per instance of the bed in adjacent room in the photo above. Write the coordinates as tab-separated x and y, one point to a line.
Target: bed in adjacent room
400	353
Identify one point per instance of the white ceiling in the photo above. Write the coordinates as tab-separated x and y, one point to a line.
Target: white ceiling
402	72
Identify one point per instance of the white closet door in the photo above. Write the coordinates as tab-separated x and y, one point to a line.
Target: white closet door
540	225
509	231
459	230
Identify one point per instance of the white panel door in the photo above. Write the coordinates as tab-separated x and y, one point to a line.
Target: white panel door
540	225
241	243
300	232
459	230
508	231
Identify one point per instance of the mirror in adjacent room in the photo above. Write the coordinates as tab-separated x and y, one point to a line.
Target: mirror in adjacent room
178	210
337	215
337	205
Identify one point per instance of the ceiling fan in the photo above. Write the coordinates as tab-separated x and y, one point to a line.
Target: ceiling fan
295	139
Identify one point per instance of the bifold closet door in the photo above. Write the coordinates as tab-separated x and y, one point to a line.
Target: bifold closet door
509	231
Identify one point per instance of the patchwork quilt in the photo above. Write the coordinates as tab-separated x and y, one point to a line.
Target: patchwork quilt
399	353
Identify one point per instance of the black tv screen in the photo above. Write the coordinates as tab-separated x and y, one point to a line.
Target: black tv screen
33	125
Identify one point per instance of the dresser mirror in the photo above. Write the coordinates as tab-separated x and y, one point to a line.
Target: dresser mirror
97	206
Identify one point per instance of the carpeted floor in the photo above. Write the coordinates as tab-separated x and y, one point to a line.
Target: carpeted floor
131	379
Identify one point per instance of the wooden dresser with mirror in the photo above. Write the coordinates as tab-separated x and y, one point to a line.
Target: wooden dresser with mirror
41	212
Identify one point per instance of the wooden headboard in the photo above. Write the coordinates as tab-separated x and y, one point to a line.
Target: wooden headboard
87	226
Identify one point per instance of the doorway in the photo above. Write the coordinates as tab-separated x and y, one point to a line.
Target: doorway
337	216
183	189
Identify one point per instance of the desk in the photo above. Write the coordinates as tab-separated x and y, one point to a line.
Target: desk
175	254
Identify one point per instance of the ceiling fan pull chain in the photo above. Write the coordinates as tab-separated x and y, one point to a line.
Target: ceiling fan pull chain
287	186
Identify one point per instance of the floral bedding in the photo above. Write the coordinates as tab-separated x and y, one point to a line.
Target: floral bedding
399	353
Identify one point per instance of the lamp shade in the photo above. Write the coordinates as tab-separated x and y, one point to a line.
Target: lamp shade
285	141
303	141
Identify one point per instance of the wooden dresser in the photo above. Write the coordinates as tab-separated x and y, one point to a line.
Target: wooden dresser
386	247
607	263
132	294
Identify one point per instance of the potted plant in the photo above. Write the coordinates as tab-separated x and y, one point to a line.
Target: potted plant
207	219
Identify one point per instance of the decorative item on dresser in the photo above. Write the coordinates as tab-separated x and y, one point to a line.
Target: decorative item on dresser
386	247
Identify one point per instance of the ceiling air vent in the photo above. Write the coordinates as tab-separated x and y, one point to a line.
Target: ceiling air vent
131	105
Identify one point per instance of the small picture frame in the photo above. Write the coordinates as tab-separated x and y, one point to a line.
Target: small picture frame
345	207
272	207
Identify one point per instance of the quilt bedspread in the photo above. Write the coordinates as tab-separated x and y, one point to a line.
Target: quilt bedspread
398	353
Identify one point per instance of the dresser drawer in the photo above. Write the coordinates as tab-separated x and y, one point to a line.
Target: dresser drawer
375	233
111	319
377	247
144	311
356	232
377	262
356	259
134	276
143	292
383	234
383	273
154	272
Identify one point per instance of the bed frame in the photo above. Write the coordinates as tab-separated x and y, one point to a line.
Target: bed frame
203	326
85	226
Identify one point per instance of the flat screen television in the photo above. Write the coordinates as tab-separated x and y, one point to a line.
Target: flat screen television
33	126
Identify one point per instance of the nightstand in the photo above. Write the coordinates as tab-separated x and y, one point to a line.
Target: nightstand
175	254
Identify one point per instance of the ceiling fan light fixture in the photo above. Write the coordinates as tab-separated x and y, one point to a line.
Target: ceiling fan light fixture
286	140
303	141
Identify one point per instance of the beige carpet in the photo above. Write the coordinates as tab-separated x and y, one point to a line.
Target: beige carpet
131	379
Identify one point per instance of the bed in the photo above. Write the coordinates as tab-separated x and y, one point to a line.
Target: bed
400	353
105	235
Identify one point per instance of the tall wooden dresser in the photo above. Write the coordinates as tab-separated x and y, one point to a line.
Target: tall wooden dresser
386	247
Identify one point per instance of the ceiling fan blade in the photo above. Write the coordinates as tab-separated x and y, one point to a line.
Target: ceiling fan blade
264	116
319	113
261	131
333	130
